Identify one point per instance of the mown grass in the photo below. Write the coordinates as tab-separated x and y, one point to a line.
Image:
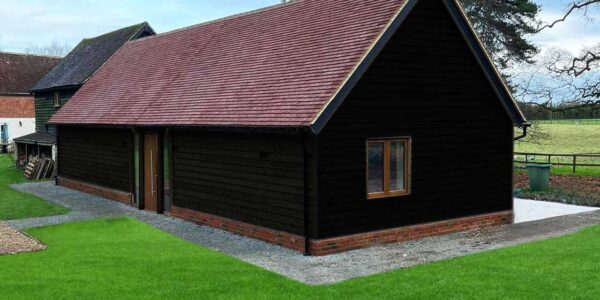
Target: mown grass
566	139
569	121
126	259
18	205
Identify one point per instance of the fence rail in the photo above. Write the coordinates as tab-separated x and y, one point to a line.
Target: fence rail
586	160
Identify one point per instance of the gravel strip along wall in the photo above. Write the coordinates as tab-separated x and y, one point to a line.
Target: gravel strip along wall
308	269
13	241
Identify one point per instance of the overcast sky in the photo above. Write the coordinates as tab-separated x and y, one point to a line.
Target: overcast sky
26	23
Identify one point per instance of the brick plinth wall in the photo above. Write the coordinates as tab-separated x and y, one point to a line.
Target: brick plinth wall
284	239
347	242
95	190
401	234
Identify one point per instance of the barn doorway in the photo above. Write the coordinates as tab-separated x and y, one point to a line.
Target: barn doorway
151	172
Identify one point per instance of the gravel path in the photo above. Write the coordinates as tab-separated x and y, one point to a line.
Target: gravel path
13	241
311	270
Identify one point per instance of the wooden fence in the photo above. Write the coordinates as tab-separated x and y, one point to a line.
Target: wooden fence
573	160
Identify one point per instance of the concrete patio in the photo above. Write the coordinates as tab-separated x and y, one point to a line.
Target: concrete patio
556	219
532	210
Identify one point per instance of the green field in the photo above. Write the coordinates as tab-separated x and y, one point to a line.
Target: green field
570	121
19	205
126	259
566	139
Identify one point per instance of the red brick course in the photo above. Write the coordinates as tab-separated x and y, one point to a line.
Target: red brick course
284	239
95	190
17	107
401	234
348	242
318	247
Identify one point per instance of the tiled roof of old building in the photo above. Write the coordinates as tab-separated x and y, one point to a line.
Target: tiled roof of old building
87	57
19	72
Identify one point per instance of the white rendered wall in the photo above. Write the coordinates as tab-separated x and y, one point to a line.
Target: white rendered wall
16	129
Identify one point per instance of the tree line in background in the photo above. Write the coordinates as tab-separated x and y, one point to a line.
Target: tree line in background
556	84
55	48
559	112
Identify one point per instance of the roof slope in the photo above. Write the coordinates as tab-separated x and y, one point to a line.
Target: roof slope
38	138
19	72
274	67
288	65
87	57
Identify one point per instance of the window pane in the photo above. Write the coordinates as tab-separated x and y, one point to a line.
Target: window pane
375	167
397	166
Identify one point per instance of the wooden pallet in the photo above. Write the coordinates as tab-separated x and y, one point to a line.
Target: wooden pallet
39	169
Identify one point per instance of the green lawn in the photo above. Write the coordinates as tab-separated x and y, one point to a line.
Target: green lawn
569	121
124	258
19	205
566	139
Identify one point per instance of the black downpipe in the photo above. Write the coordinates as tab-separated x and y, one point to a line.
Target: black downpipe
524	127
306	208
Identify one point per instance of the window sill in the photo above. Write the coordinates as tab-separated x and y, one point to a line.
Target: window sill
376	196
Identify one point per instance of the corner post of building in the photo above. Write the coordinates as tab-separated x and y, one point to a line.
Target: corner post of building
310	172
305	162
132	176
160	135
56	160
141	168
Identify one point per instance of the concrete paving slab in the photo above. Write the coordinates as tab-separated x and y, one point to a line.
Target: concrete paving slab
531	210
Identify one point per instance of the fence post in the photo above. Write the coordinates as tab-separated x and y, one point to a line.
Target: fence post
574	162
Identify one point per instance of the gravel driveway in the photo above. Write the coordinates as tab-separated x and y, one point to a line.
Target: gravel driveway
13	241
311	270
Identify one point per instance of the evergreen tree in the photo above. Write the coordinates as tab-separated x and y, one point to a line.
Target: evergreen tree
503	26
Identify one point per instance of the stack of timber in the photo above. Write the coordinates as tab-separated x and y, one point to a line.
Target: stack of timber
39	168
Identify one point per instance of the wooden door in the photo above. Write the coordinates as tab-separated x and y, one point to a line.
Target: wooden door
151	172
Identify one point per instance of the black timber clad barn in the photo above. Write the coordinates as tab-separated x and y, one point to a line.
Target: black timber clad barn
53	90
420	133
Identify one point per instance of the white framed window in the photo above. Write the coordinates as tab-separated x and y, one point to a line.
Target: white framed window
56	99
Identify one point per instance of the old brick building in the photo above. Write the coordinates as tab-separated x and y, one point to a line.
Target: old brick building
18	74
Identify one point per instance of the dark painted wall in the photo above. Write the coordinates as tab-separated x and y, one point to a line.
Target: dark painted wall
97	156
254	178
425	84
45	109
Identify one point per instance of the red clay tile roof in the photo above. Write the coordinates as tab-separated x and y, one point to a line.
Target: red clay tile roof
19	72
274	67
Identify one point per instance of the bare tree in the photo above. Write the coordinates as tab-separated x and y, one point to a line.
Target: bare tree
557	83
536	134
572	7
562	81
54	49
